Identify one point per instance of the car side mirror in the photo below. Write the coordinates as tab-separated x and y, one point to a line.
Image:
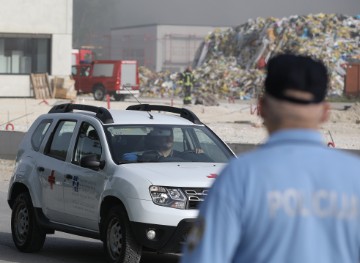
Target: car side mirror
91	162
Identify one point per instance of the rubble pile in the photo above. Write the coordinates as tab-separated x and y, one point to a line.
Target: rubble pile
231	62
155	84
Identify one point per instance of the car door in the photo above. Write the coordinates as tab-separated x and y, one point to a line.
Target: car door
83	186
83	79
50	168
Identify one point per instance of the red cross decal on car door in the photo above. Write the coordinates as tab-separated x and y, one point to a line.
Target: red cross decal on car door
51	179
212	176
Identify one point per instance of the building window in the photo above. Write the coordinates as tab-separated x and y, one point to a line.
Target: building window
24	54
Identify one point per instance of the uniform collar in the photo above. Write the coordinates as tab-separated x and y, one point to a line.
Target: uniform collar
296	135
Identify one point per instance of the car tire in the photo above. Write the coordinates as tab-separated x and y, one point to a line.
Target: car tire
99	92
26	232
119	242
119	97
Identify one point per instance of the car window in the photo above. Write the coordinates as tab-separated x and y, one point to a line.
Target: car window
209	146
61	140
39	134
178	139
149	144
103	70
88	143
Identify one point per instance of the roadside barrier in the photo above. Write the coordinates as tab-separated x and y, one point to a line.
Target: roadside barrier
108	101
332	143
254	110
44	101
9	125
9	122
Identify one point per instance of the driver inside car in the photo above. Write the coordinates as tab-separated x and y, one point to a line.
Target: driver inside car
162	141
159	145
165	142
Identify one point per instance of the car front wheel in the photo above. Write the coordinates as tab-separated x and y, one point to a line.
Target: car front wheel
119	243
26	233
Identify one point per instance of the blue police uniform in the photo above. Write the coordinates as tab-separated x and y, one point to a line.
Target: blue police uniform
291	200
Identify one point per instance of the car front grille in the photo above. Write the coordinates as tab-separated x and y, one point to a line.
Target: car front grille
195	196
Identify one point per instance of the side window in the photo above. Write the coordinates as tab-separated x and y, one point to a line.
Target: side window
209	147
61	140
74	71
85	71
103	70
178	140
88	143
39	134
183	141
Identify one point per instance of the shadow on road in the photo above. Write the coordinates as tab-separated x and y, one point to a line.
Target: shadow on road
58	249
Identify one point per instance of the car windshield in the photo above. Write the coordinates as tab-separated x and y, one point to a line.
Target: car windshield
164	143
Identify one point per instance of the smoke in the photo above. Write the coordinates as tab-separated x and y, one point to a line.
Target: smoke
211	12
93	19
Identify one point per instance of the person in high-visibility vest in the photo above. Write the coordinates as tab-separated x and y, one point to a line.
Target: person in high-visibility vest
187	79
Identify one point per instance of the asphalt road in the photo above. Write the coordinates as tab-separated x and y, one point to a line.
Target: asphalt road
60	247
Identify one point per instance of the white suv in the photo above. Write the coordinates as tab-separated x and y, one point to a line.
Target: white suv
112	175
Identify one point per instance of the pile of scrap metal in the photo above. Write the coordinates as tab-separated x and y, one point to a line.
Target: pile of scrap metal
232	62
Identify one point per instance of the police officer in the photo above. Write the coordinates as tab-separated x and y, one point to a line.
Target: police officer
187	79
292	199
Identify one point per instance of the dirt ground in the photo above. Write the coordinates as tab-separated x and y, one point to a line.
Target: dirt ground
234	123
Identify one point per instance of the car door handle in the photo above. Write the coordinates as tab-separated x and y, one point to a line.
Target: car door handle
41	169
69	176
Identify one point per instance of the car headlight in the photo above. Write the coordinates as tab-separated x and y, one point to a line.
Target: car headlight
166	196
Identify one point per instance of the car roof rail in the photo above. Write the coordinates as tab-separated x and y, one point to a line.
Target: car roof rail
101	113
184	113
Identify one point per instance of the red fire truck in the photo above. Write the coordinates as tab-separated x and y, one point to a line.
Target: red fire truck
118	78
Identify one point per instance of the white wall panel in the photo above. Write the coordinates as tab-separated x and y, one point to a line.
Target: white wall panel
61	55
50	17
36	16
15	86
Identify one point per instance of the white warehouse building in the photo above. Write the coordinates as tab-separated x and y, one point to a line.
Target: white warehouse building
158	47
35	37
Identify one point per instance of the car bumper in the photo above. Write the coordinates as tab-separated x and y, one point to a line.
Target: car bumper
129	91
168	239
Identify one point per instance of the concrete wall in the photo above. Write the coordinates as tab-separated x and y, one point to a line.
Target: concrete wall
178	45
15	86
36	16
142	40
50	17
239	148
9	141
61	55
175	45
